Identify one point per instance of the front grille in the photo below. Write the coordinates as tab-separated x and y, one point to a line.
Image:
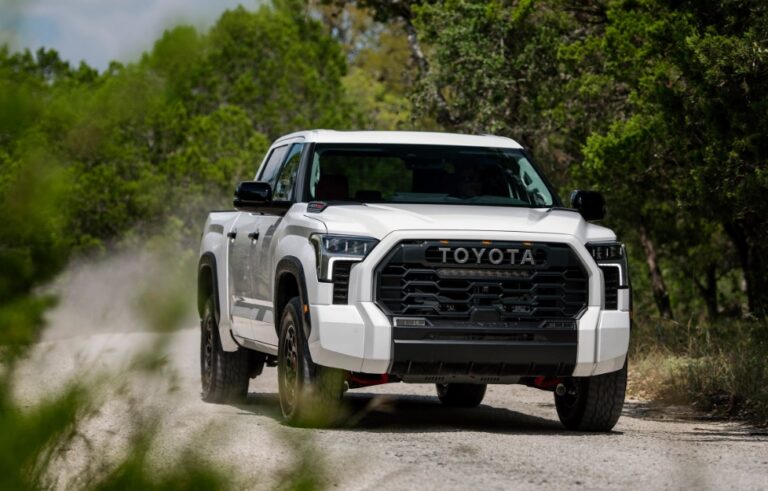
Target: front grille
611	287
341	281
425	279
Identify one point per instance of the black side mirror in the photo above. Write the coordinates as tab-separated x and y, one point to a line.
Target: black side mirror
252	196
256	197
590	204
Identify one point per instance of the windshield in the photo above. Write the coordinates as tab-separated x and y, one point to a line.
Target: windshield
429	174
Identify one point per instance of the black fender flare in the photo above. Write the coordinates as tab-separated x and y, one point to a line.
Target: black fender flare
291	265
208	261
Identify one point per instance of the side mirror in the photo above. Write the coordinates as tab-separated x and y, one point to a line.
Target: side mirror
252	196
590	204
256	197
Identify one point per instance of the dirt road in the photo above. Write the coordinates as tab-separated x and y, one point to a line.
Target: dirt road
404	438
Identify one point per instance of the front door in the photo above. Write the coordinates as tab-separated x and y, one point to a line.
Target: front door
243	239
283	185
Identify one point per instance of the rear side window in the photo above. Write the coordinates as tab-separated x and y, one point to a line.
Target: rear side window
283	188
271	168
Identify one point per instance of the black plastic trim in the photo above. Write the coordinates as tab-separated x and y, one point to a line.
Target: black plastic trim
291	265
611	286
342	271
489	350
208	260
301	192
414	358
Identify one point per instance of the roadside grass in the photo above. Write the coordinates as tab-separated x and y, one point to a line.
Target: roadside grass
42	439
717	367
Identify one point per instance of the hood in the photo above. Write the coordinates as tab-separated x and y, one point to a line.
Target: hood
378	220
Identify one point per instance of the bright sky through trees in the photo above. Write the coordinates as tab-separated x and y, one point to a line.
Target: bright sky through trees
99	31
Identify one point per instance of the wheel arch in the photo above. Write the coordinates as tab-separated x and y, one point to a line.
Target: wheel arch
207	284
290	282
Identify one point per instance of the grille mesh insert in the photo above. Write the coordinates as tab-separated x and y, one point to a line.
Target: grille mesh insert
418	279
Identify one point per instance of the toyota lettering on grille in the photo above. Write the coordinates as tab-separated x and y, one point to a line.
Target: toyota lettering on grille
464	255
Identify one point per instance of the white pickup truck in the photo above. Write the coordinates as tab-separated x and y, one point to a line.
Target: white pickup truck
360	258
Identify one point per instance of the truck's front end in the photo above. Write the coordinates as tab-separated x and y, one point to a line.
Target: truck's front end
459	264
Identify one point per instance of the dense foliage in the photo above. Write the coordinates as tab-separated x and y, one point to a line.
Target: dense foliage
169	136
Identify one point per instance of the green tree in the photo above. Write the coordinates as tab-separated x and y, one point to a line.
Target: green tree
277	65
659	104
381	70
692	129
168	137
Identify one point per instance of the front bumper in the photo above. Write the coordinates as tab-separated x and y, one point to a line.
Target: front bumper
359	337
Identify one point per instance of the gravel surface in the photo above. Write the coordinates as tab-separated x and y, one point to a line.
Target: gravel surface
402	438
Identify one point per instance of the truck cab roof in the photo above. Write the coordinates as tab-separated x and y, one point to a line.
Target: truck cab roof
402	137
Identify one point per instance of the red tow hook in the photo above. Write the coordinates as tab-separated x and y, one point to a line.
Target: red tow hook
546	383
356	380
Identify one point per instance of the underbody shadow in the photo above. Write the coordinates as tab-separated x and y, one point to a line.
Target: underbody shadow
264	404
415	413
361	411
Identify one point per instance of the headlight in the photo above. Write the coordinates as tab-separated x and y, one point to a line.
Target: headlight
330	248
608	251
611	254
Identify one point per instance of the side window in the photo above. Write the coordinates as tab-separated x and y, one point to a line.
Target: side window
269	173
284	185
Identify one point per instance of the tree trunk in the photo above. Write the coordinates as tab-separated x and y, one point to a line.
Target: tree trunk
708	290
444	116
752	250
660	293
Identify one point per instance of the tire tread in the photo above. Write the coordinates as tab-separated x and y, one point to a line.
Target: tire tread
231	371
602	400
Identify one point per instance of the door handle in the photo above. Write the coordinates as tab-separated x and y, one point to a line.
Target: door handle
254	235
232	234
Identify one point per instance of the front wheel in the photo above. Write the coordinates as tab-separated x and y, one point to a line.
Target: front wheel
592	403
309	394
461	395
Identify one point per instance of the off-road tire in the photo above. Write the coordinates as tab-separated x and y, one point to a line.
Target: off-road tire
310	394
592	403
461	395
224	375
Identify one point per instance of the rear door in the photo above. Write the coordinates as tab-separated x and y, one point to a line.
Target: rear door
241	275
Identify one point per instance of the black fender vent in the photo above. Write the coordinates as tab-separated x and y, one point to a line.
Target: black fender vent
340	277
611	287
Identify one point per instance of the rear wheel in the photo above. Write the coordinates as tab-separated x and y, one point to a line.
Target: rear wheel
224	375
592	403
461	395
309	394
